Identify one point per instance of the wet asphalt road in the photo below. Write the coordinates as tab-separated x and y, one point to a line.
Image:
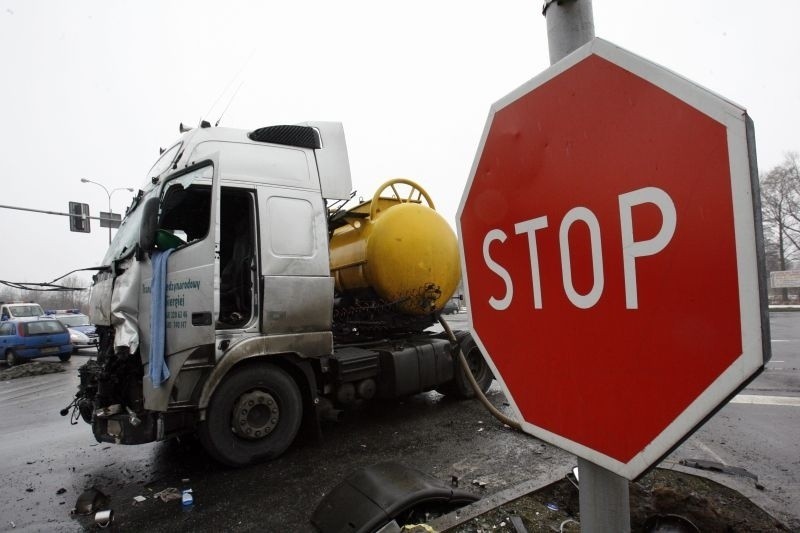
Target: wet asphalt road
42	453
762	436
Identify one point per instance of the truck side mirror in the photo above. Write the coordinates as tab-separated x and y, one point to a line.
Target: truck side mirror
149	226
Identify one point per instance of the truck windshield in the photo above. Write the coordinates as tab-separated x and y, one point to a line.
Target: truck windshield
128	234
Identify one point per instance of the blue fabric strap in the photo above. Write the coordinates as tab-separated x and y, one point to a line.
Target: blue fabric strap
159	371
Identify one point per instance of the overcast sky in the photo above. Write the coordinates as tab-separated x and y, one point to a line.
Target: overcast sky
93	89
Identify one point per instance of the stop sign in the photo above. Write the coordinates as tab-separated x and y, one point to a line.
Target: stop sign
611	255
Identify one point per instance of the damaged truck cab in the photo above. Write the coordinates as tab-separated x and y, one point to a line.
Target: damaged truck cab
241	301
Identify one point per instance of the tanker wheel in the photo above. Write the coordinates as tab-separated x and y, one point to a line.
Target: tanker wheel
460	387
253	416
415	194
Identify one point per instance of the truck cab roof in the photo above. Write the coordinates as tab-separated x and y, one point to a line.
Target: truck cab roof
272	153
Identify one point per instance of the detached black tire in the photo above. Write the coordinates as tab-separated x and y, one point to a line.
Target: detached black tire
460	387
253	416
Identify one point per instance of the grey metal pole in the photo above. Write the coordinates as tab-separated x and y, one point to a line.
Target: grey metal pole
604	499
570	25
109	224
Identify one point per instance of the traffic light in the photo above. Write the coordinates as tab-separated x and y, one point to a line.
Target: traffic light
79	217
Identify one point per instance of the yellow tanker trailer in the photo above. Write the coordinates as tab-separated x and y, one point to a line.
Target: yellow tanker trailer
395	261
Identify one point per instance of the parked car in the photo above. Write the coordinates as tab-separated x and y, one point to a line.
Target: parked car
78	322
78	340
12	311
32	338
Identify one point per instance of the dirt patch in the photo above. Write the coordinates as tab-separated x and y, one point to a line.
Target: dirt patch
709	506
33	368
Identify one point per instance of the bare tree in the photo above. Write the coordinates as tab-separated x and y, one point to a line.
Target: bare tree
780	208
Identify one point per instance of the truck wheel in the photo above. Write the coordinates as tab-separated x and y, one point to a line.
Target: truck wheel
460	387
65	357
253	416
11	358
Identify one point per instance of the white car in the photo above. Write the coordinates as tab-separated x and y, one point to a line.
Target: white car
79	340
78	323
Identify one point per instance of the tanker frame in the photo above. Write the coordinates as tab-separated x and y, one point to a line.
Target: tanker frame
239	300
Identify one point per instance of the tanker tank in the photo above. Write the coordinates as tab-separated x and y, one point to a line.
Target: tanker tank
391	257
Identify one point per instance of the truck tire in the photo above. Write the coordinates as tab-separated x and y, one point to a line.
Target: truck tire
65	357
460	387
253	416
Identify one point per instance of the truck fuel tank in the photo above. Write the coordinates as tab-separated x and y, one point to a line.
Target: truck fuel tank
399	247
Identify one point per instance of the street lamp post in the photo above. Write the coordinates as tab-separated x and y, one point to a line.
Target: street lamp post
84	180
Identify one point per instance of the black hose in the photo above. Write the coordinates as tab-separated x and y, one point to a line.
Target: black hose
475	387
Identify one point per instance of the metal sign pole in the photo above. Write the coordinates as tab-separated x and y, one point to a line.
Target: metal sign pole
604	498
570	25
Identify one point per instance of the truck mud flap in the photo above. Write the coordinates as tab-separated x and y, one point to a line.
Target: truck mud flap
374	496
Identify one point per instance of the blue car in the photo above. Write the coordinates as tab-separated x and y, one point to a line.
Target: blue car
29	339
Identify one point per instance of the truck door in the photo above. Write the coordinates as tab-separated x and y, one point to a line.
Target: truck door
188	224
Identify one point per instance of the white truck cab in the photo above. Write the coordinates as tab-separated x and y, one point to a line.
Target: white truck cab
219	310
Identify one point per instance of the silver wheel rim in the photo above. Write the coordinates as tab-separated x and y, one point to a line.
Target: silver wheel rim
255	415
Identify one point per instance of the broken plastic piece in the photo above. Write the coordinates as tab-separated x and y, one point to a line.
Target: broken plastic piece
104	518
372	497
186	498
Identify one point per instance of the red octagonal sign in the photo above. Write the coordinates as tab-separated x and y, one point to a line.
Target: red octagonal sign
612	255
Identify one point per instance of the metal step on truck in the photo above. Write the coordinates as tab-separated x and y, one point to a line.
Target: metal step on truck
242	300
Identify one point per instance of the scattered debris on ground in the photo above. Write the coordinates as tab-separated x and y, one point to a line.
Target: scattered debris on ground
660	495
168	494
90	501
32	368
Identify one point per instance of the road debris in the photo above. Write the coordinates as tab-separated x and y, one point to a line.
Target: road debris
715	466
104	518
187	500
663	496
168	494
62	490
139	499
519	525
90	501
